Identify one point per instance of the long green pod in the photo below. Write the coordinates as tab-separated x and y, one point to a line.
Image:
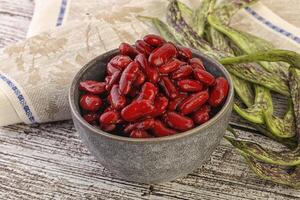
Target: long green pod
295	94
283	128
286	176
187	12
284	158
262	101
250	44
201	14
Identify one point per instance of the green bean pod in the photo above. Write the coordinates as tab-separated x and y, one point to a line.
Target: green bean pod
295	94
200	15
186	11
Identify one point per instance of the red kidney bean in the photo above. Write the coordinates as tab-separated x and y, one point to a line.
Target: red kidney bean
142	60
168	87
120	61
179	122
162	54
117	100
109	117
127	78
154	40
150	72
107	79
202	115
189	85
160	130
219	92
108	127
127	49
196	63
144	125
111	69
170	66
90	102
143	47
193	102
175	102
140	79
113	80
204	76
160	104
183	72
136	110
148	92
93	87
184	53
91	117
139	134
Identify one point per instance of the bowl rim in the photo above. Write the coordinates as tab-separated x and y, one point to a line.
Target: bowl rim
195	130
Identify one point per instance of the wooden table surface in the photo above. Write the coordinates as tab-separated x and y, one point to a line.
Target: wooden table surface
50	162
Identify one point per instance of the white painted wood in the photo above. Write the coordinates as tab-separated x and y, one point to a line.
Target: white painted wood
50	162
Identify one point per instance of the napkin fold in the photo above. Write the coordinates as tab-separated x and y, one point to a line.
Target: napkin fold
35	74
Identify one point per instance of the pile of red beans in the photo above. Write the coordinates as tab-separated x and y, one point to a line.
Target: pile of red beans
152	89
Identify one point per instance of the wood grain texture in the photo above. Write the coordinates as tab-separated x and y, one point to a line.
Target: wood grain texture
49	161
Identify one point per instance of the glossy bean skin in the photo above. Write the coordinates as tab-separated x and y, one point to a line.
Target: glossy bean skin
128	77
204	76
154	40
185	53
151	73
109	117
168	87
108	127
175	102
115	77
90	102
139	134
127	50
202	115
111	69
178	122
91	117
196	63
143	47
136	110
93	87
219	92
189	85
160	130
148	92
144	125
120	61
193	102
170	66
183	72
160	104
117	100
162	54
140	79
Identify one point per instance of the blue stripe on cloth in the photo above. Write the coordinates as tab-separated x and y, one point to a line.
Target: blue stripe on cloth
62	12
273	26
20	98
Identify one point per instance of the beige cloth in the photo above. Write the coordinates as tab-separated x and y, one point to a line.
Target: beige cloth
36	74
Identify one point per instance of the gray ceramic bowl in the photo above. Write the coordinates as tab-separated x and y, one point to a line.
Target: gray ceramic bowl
152	160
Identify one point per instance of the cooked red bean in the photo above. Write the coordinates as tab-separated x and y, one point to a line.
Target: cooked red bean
154	40
109	117
184	53
128	77
162	55
143	47
127	49
142	60
108	127
113	80
120	61
179	122
193	102
117	100
160	130
189	85
148	92
219	92
202	115
168	87
139	134
136	110
90	102
144	125
170	66
183	72
91	117
93	87
196	63
111	69
175	102
151	73
140	79
160	104
204	76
